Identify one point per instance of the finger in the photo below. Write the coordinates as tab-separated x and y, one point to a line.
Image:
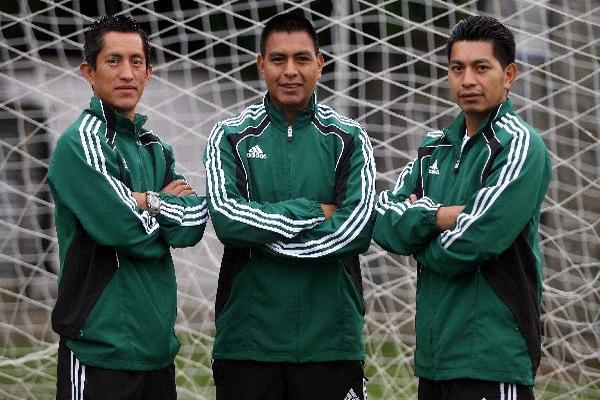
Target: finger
173	184
184	189
186	192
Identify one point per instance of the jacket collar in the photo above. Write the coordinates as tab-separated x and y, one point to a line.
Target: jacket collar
115	121
456	130
303	117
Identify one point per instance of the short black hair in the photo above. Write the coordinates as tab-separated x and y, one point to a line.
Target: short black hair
480	28
288	22
94	36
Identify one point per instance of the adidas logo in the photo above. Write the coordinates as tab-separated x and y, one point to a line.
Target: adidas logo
351	395
256	152
433	169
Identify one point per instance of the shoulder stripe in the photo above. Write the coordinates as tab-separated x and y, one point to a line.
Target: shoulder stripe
328	112
252	112
83	140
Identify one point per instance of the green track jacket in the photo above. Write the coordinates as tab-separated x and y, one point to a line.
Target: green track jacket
479	283
116	303
290	287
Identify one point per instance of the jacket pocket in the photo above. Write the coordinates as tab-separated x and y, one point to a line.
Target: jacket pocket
87	269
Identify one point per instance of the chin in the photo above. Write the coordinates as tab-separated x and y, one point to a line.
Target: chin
292	103
470	109
125	105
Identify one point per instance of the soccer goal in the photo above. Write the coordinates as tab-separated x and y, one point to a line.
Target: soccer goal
385	66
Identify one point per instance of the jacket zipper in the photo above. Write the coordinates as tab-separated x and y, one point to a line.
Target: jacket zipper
289	139
459	159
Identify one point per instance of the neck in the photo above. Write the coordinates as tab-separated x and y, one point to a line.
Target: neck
290	115
290	111
129	115
473	121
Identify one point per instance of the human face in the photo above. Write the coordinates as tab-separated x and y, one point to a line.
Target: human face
121	71
290	69
477	80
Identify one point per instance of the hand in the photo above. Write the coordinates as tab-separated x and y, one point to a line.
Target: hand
178	188
445	217
412	198
328	210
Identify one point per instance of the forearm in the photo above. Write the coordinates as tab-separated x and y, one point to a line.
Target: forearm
182	218
251	223
404	227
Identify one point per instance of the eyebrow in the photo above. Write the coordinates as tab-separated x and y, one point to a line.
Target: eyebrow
300	53
119	55
477	61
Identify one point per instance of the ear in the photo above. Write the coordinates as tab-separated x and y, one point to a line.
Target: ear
88	73
149	72
260	62
510	73
320	62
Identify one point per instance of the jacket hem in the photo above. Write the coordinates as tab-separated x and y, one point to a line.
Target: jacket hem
473	373
289	357
123	365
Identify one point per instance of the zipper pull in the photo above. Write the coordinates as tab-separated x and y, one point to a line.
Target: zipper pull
289	133
457	165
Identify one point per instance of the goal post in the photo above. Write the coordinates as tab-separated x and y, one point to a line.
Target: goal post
385	66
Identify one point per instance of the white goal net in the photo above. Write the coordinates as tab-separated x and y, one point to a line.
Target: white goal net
385	67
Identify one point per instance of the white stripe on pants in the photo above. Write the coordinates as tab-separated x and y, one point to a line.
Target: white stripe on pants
77	378
511	391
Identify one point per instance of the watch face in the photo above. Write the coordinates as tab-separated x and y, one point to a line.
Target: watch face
153	203
153	200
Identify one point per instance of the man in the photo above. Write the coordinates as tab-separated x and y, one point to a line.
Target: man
290	186
116	305
467	208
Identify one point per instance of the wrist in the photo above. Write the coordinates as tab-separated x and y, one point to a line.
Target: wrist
441	220
152	203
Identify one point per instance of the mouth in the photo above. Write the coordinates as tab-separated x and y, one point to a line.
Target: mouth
469	96
290	86
126	88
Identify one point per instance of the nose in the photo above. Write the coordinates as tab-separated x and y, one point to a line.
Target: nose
290	69
468	77
126	72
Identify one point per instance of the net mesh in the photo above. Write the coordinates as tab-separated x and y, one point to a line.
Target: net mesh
385	67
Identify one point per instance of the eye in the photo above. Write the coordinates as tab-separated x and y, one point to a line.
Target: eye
456	68
482	68
303	59
277	60
137	62
113	61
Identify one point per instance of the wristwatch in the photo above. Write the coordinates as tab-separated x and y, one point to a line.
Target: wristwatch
153	203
